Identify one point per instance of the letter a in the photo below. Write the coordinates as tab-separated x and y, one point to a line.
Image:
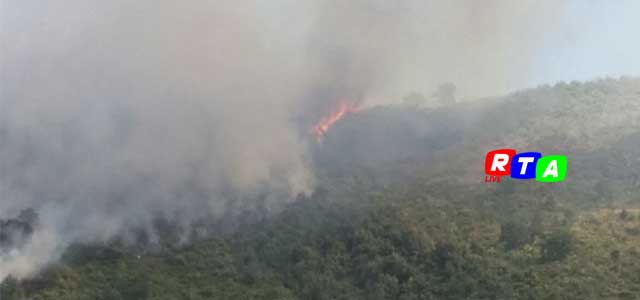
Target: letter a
551	168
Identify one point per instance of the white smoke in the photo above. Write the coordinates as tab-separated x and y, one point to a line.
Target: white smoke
113	112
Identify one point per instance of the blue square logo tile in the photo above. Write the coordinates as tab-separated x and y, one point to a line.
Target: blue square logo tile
523	165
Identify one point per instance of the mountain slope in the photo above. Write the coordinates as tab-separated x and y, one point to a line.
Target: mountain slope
401	212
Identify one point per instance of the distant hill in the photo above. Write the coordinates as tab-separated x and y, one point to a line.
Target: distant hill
596	124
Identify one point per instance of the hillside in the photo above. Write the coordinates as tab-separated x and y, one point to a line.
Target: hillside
422	244
401	212
594	123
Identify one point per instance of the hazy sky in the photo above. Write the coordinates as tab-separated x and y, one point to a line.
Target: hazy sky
600	38
551	41
572	40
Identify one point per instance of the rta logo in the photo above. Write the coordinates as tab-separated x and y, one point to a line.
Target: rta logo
526	165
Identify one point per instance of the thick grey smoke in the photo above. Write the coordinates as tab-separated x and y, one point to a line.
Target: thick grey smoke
114	112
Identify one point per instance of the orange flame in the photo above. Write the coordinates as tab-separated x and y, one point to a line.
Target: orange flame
343	109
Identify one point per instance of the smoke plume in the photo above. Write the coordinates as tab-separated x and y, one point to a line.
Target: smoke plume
115	112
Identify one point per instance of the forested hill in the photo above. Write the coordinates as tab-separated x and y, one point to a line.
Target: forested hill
596	124
401	212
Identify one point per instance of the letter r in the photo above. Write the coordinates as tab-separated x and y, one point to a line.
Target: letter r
498	162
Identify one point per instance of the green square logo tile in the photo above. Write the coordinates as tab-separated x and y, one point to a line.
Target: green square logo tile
551	168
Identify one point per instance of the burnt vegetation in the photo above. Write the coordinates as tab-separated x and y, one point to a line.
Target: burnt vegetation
15	232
